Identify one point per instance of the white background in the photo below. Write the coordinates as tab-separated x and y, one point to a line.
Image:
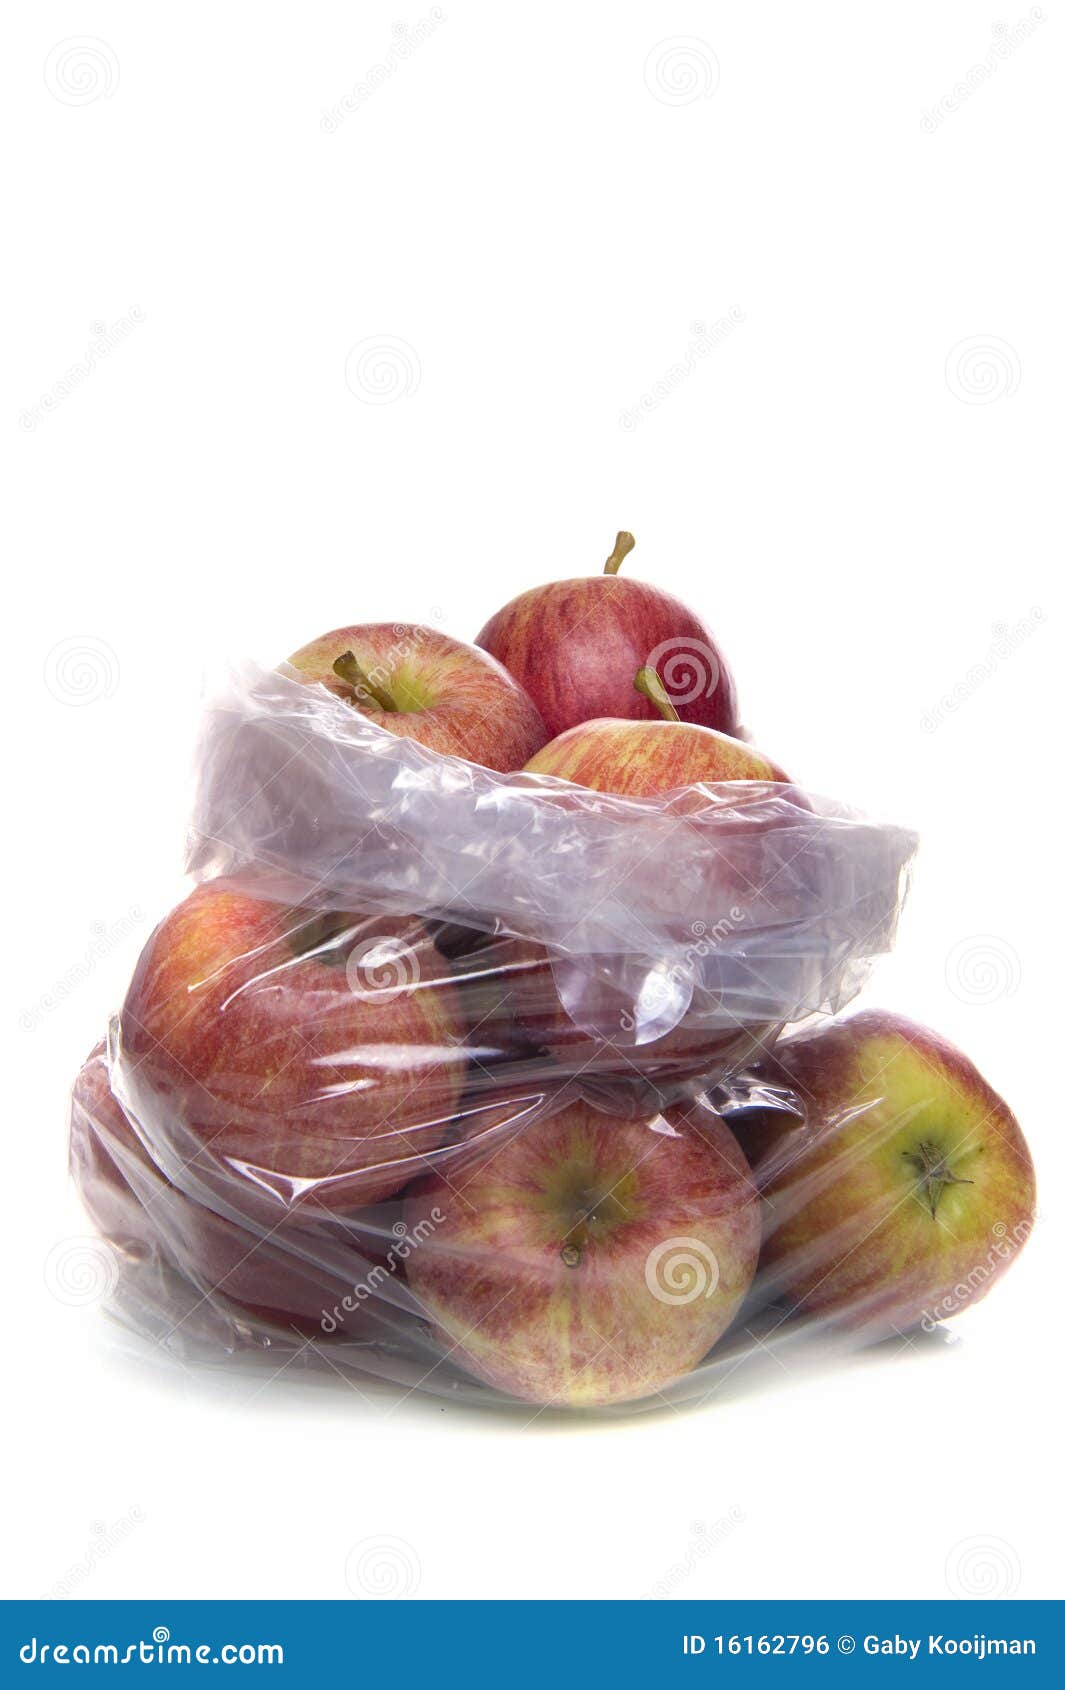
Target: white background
531	213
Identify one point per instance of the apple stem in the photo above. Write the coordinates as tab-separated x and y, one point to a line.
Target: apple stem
933	1175
622	547
350	670
649	682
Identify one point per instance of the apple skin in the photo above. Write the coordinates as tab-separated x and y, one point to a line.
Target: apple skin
863	1227
140	1211
253	1049
558	1273
451	696
640	759
575	645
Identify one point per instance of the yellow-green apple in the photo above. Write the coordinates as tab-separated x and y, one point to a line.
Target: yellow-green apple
902	1188
142	1213
639	759
421	684
315	1059
587	1260
574	644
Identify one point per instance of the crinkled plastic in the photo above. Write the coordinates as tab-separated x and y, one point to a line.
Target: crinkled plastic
739	905
428	1078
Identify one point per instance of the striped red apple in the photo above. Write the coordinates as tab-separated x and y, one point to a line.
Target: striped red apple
315	1058
575	644
144	1215
637	759
588	1260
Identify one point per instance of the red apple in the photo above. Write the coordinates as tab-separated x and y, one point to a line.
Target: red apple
315	1060
587	1260
574	644
639	759
104	1151
280	1280
901	1191
423	685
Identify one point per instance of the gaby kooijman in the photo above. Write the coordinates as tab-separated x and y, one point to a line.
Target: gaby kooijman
978	1646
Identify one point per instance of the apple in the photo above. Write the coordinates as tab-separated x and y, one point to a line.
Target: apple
314	1059
148	1218
636	759
104	1152
587	1260
903	1187
421	684
574	644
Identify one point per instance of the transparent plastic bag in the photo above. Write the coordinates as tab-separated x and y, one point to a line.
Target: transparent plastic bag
419	1081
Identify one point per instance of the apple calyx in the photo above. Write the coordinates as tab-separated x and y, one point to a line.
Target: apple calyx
649	682
591	1212
622	547
349	669
933	1174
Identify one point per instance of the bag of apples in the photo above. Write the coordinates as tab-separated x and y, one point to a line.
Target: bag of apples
461	1065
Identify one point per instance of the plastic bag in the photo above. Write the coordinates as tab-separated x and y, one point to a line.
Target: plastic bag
419	1081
